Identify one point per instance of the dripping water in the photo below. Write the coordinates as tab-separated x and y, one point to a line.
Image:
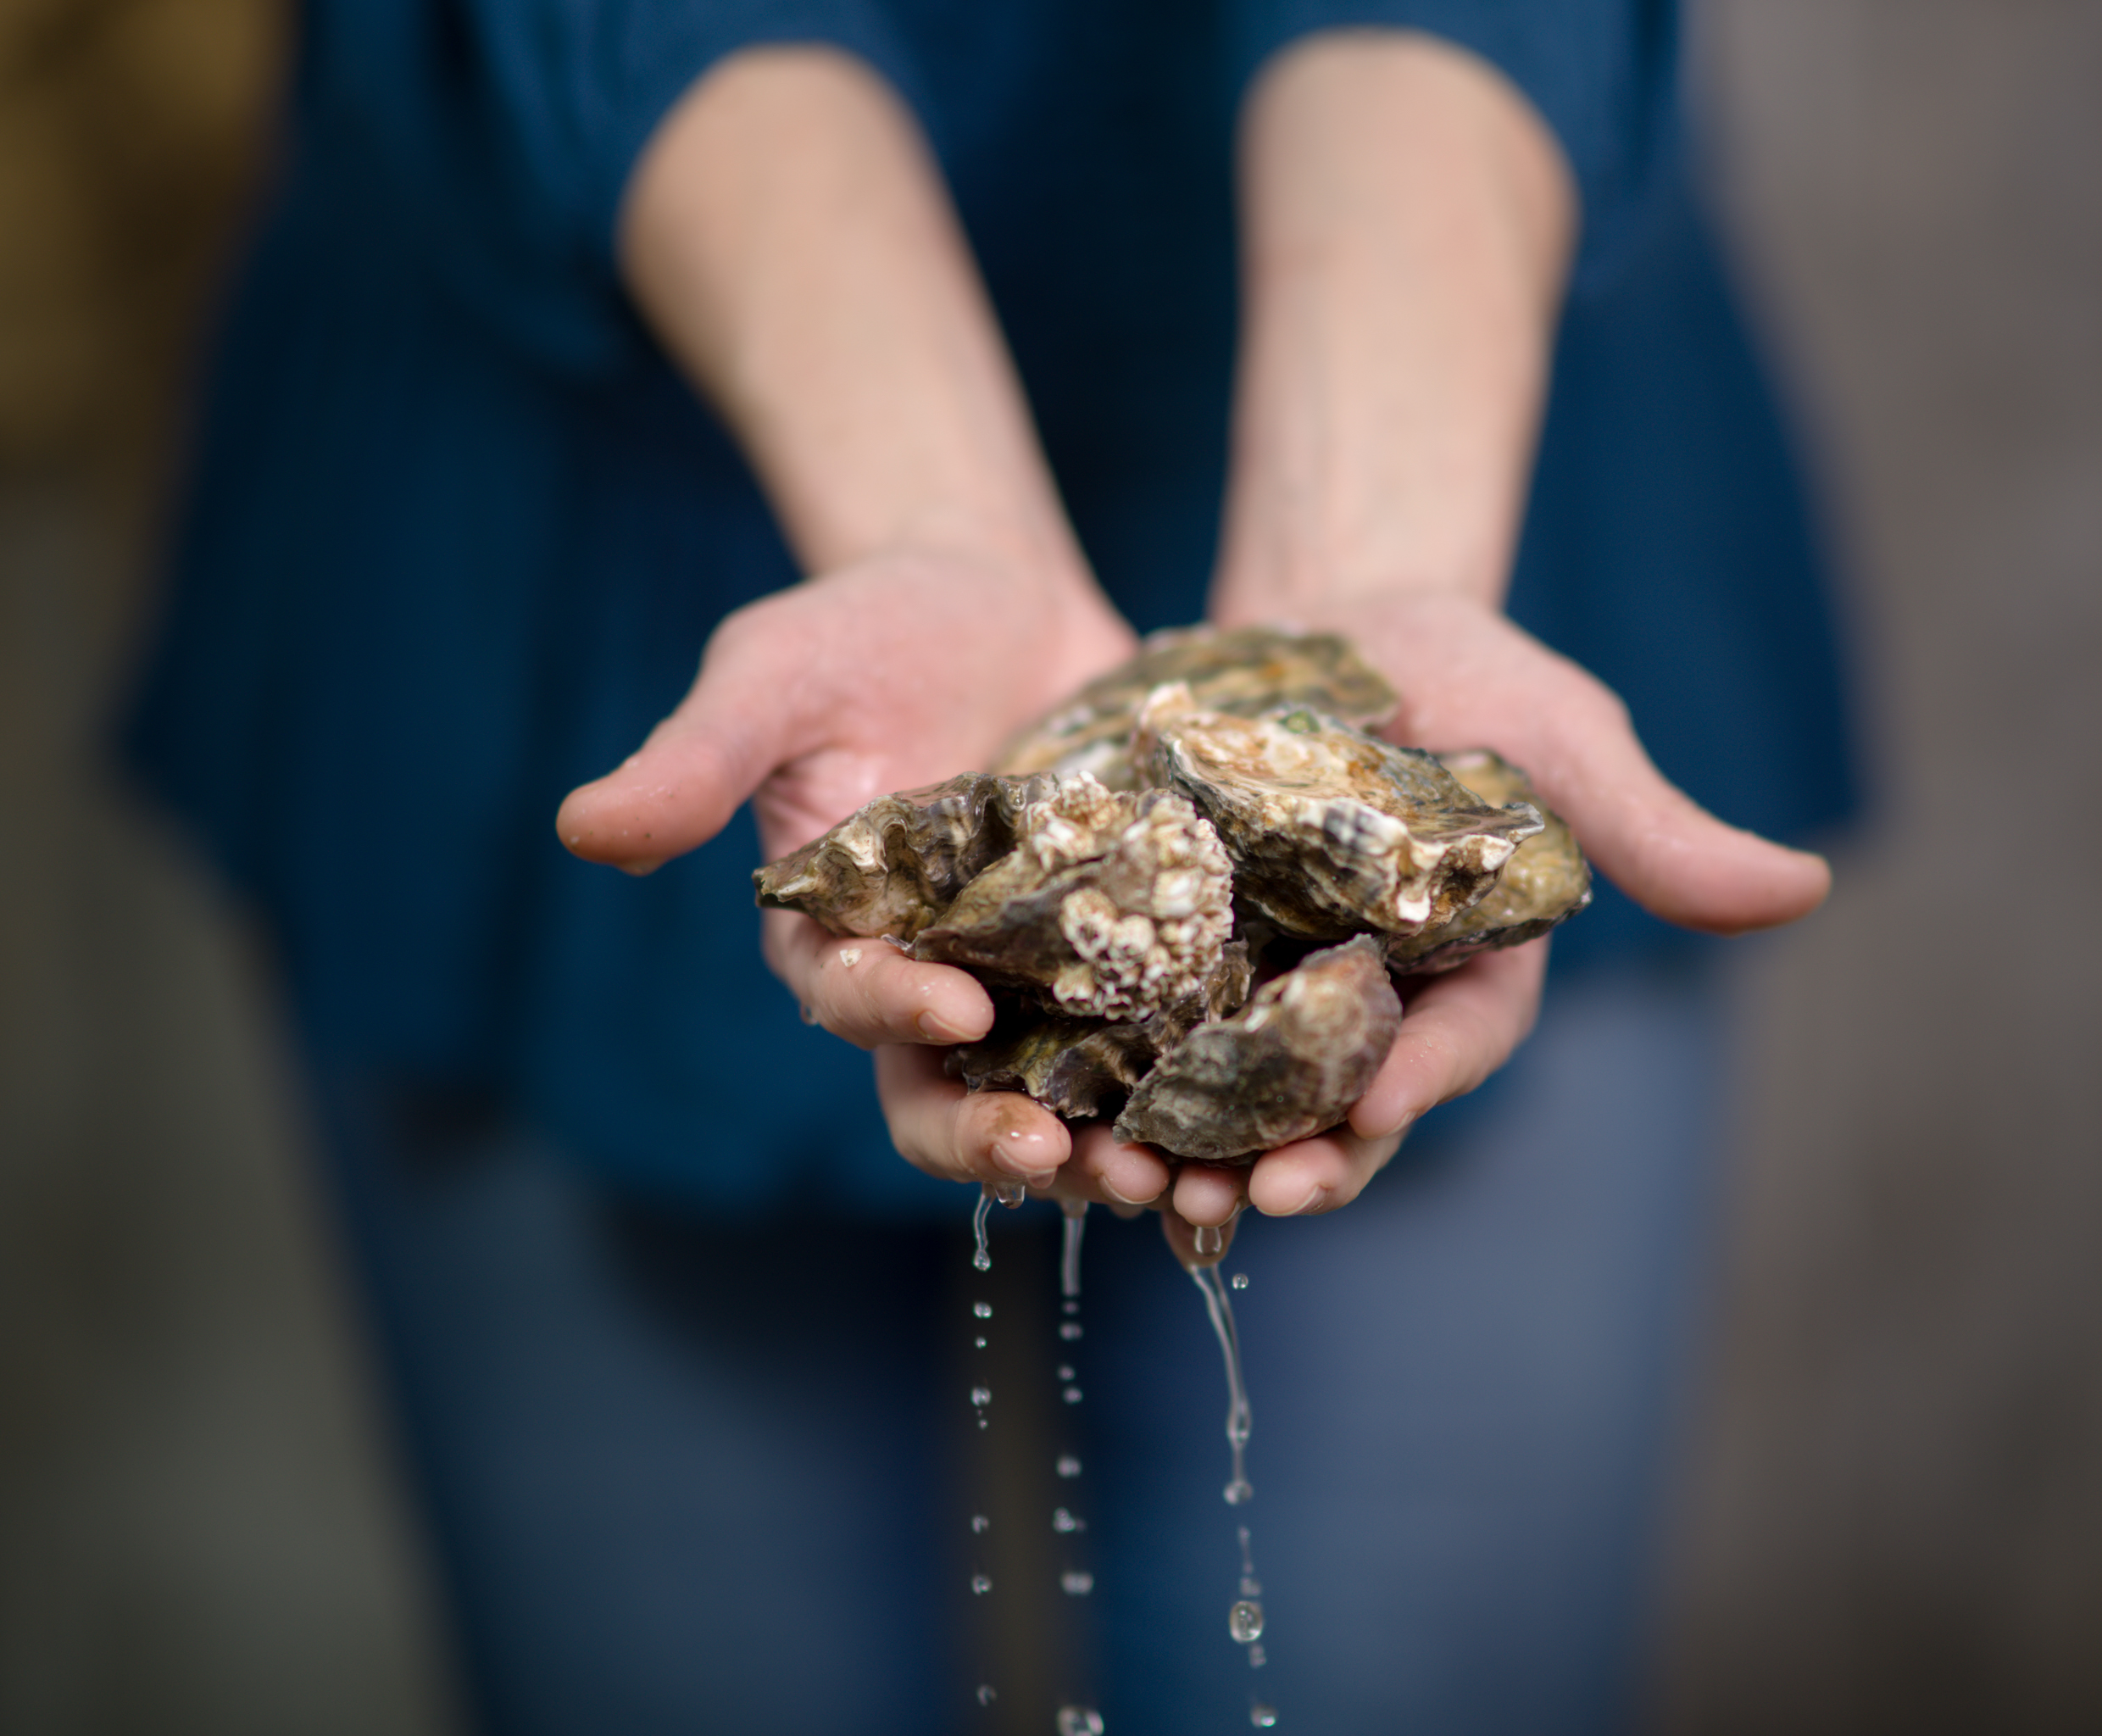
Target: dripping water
1221	1313
1069	1253
1244	1616
1079	1721
983	1257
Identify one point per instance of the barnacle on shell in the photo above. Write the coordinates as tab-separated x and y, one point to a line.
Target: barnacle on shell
1113	904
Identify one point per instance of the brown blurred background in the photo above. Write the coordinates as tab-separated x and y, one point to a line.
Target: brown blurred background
1891	1519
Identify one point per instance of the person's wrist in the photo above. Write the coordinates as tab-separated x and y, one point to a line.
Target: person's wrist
1328	587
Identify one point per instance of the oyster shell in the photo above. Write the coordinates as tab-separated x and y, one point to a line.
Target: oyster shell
895	865
1243	671
1332	831
1289	1065
1238	806
1079	1068
1546	881
1112	904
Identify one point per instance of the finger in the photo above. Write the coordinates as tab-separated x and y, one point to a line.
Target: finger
1575	739
869	991
1470	678
1104	1169
1209	1195
964	1136
1195	1244
1456	1030
748	711
1313	1176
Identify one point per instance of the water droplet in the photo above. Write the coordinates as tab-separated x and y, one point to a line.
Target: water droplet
1063	1522
1240	1280
982	1396
986	1695
1211	1239
1071	1395
810	1017
1068	1465
1010	1193
1077	1584
1068	1330
982	1423
982	1309
1237	1491
1066	1371
1072	1308
1244	1621
1257	1657
981	1584
1264	1717
980	1341
982	1260
979	1522
1079	1721
1250	1586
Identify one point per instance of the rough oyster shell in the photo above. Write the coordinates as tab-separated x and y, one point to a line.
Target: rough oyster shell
1243	671
1113	905
1116	925
1289	1065
1546	881
1079	1068
895	865
1332	831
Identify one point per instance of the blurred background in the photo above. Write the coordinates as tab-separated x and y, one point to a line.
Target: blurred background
1890	1514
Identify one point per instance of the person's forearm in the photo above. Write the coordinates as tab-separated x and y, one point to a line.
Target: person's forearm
787	235
1407	219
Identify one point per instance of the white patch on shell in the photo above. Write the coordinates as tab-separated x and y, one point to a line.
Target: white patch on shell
850	956
1151	928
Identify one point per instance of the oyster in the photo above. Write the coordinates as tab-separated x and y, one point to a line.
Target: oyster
1332	831
893	866
1079	1068
1112	904
1114	883
1289	1065
1243	671
1546	881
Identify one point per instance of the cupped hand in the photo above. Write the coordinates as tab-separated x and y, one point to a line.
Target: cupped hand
899	672
1469	677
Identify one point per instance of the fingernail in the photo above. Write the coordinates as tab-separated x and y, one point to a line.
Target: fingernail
1116	1193
1315	1196
645	865
937	1029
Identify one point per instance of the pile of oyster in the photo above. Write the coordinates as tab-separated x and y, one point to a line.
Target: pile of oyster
1189	889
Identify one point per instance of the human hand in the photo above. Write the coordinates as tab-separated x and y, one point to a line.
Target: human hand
895	672
1469	678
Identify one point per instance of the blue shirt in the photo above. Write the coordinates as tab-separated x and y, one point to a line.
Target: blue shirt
457	533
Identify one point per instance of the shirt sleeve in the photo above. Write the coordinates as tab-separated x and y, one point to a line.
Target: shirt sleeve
1601	72
494	137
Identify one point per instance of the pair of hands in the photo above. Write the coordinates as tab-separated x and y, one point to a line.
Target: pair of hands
904	669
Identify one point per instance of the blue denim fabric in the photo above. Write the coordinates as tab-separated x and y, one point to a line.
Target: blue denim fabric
684	1477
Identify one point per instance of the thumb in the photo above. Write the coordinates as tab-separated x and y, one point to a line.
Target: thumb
742	718
1654	842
